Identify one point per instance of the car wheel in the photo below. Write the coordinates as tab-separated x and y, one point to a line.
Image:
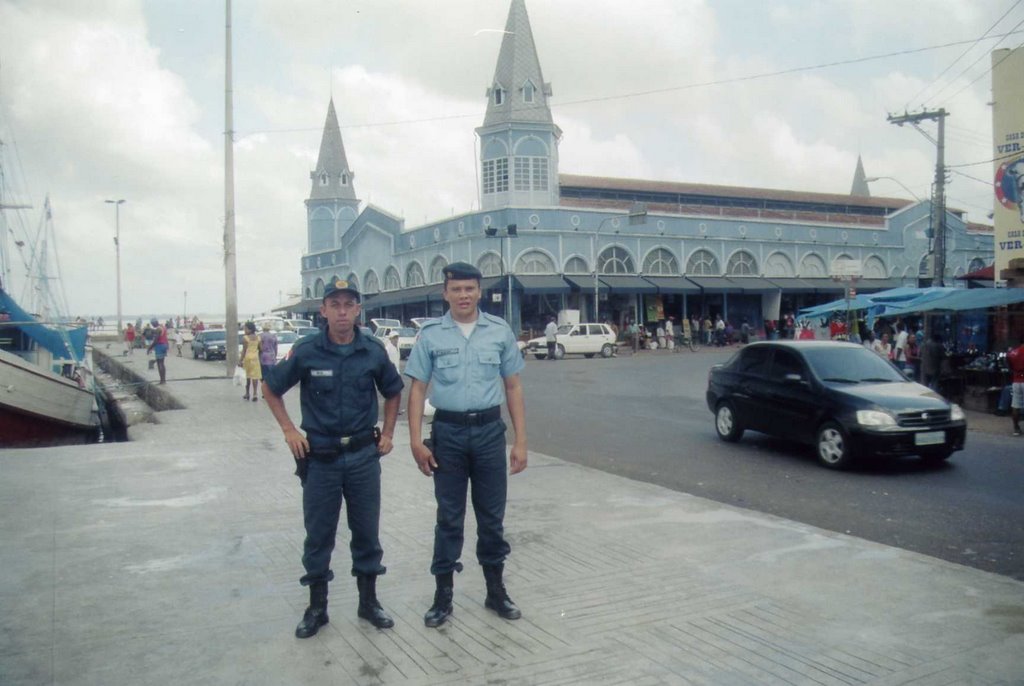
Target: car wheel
589	356
540	356
559	352
607	350
726	423
833	447
937	457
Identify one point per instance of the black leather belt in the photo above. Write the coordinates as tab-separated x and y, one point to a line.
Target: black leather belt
347	444
474	418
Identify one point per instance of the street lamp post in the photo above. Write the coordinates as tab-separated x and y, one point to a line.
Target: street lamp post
117	249
872	179
511	231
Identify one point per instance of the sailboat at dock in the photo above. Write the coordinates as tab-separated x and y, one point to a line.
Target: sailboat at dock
46	391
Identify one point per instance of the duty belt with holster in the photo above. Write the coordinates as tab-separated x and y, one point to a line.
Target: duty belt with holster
338	447
472	418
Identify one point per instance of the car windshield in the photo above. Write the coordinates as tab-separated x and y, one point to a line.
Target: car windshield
287	337
407	332
565	328
850	364
213	336
307	330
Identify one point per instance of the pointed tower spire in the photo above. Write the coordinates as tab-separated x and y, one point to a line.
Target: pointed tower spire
860	181
519	139
518	92
332	178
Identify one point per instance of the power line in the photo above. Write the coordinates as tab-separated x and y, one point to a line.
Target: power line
961	56
987	71
971	66
655	91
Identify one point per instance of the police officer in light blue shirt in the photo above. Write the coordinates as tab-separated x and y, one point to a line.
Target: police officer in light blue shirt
472	362
339	372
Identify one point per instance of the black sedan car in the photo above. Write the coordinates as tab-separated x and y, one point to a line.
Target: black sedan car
209	344
840	397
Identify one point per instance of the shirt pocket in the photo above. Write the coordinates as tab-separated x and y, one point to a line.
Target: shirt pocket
446	368
489	364
365	388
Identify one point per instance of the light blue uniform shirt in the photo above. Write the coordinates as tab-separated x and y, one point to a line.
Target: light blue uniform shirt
467	373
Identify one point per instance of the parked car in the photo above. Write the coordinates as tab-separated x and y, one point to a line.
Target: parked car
285	341
376	324
840	397
209	344
406	339
584	339
307	331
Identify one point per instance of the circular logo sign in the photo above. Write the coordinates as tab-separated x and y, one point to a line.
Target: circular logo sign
1010	183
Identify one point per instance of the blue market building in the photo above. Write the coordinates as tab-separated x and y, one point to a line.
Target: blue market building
614	249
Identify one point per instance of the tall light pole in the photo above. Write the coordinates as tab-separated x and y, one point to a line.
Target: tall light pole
872	179
511	231
117	249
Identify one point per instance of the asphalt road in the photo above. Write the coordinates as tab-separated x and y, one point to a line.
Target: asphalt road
644	417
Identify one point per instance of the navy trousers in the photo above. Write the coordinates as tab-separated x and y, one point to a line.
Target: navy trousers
352	478
469	456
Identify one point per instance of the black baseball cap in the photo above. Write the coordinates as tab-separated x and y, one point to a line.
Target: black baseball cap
461	270
341	286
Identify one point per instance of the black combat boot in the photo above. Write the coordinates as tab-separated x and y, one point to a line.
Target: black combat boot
369	606
316	614
497	596
441	610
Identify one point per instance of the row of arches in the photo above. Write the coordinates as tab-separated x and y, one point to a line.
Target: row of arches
615	260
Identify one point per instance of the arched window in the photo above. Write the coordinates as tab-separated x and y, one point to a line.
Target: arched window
437	269
323	179
975	264
874	268
318	288
371	284
414	275
576	265
344	179
534	262
703	263
660	262
615	260
489	264
309	293
813	266
499	94
528	90
779	265
391	280
742	263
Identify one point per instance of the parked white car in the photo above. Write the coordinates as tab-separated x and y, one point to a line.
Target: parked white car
576	339
285	341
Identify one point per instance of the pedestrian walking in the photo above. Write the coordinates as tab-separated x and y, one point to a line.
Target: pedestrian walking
1015	359
268	350
129	338
551	337
634	335
338	371
159	347
179	340
250	361
472	360
932	355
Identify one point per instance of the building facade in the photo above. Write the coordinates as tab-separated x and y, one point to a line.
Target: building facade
613	249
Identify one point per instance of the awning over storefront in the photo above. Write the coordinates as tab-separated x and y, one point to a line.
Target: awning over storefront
877	284
491	282
579	282
716	284
959	299
824	284
628	283
788	284
540	283
673	284
754	284
406	295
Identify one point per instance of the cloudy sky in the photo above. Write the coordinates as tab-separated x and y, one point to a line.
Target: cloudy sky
111	99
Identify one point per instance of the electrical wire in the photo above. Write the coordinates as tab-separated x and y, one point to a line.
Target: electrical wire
971	66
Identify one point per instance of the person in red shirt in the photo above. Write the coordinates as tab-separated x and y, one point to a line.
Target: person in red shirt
1015	358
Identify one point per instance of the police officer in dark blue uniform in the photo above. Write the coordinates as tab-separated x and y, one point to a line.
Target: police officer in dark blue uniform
339	372
472	362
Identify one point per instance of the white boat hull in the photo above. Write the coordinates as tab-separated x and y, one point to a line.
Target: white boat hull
38	407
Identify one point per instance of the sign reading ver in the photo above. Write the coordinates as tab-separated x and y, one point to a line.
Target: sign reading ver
1008	146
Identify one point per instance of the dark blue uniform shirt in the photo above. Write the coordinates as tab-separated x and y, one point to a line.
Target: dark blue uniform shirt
337	384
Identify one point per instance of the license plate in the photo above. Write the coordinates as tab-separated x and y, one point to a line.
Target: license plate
930	438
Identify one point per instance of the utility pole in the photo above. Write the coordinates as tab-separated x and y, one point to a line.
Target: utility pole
230	283
938	221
